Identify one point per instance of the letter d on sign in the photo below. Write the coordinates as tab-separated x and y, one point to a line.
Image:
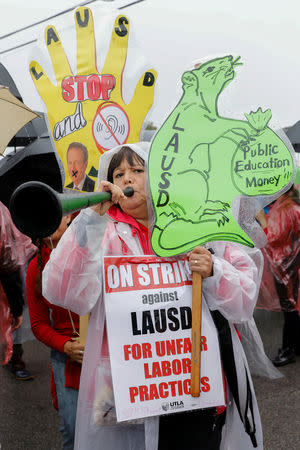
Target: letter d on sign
160	201
148	79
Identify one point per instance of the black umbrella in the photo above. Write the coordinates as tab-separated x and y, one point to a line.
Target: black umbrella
34	129
293	133
37	162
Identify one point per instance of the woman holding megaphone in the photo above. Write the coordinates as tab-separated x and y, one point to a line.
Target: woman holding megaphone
73	279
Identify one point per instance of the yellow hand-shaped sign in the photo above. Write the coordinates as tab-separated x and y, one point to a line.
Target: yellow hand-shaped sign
86	111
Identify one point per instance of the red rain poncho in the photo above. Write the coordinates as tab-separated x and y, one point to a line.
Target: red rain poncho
15	251
280	282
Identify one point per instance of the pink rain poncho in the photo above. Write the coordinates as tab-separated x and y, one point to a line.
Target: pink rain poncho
15	251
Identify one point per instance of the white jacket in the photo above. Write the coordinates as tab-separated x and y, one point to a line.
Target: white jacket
73	279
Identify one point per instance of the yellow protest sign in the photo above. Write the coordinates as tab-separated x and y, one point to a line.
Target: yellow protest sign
86	111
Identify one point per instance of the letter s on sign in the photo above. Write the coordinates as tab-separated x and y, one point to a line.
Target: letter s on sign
144	279
67	89
122	30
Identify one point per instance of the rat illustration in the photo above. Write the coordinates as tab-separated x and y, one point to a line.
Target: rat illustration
199	162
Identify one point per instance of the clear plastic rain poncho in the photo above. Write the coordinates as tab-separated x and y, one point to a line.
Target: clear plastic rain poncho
73	279
15	251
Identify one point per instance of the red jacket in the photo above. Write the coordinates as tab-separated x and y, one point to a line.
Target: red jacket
51	324
137	228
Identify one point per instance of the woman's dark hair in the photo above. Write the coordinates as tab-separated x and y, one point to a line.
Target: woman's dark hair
294	194
124	153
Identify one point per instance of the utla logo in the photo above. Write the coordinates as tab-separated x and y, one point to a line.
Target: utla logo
176	405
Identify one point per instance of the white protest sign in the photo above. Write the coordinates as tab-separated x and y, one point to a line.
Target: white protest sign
148	302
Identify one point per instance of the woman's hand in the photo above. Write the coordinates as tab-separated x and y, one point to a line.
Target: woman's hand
116	195
200	260
74	350
16	322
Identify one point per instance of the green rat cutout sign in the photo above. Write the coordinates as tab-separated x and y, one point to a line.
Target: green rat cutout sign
199	162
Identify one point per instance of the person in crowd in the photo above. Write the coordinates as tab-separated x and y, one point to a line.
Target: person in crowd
72	278
282	227
77	160
58	328
15	251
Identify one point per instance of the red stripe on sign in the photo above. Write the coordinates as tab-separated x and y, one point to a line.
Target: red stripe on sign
140	273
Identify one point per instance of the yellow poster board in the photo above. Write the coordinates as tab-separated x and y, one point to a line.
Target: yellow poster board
86	111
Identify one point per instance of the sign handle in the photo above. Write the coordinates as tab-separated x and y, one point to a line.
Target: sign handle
196	334
83	327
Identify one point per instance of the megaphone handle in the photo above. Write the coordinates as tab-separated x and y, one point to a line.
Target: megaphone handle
196	334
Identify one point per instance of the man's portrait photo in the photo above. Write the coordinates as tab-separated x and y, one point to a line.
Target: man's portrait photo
77	160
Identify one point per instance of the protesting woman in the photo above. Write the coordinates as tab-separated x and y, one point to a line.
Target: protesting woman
282	270
58	329
15	251
73	279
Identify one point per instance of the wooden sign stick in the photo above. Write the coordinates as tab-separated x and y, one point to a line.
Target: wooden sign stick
196	335
83	327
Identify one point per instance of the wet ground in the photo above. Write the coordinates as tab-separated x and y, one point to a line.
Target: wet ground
28	420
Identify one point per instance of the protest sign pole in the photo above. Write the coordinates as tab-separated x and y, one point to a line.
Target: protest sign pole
196	334
83	327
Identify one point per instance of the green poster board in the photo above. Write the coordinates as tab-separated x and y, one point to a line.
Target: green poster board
200	161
